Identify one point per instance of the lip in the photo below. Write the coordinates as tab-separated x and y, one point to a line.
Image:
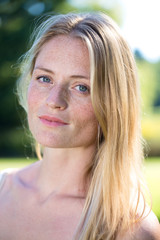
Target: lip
52	121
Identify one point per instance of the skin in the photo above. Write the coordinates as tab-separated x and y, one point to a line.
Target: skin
147	229
62	91
45	200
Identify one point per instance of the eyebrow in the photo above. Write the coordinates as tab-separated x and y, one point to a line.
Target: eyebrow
44	69
72	76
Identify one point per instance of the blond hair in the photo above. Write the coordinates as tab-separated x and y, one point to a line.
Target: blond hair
115	181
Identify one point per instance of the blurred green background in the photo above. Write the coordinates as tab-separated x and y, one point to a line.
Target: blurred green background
17	20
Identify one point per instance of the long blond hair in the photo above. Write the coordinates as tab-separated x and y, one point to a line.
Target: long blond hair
115	182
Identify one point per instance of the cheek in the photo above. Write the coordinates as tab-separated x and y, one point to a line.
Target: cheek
85	116
87	124
34	101
33	98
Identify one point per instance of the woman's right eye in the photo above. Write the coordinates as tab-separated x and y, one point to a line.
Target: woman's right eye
43	79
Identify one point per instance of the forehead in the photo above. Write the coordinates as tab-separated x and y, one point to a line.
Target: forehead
65	44
64	50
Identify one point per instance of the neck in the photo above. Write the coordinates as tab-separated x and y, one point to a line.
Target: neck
64	170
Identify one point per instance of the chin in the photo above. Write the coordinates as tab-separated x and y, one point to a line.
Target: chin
54	142
51	144
59	140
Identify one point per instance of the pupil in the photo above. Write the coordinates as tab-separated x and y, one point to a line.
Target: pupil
45	79
82	88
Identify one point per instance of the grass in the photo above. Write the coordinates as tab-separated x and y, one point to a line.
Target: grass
15	162
152	173
151	168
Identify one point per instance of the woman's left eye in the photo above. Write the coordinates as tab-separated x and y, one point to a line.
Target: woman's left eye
82	88
44	79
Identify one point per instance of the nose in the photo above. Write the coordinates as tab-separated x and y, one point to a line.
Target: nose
57	98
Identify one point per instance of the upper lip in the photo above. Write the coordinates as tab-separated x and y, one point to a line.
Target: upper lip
52	119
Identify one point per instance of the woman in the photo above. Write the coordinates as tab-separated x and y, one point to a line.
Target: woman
80	90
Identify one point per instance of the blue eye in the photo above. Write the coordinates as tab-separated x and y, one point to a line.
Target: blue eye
44	79
82	88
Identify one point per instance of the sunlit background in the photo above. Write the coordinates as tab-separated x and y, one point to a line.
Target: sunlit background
140	25
139	21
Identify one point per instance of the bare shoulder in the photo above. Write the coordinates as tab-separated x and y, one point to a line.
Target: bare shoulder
6	180
13	192
147	229
11	179
6	196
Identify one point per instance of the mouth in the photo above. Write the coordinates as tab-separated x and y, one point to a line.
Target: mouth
52	121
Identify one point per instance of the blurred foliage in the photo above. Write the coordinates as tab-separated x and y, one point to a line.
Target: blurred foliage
17	20
112	7
151	133
149	75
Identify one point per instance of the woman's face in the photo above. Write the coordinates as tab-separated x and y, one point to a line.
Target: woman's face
60	112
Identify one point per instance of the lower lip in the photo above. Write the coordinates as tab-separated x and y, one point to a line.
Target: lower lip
52	123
